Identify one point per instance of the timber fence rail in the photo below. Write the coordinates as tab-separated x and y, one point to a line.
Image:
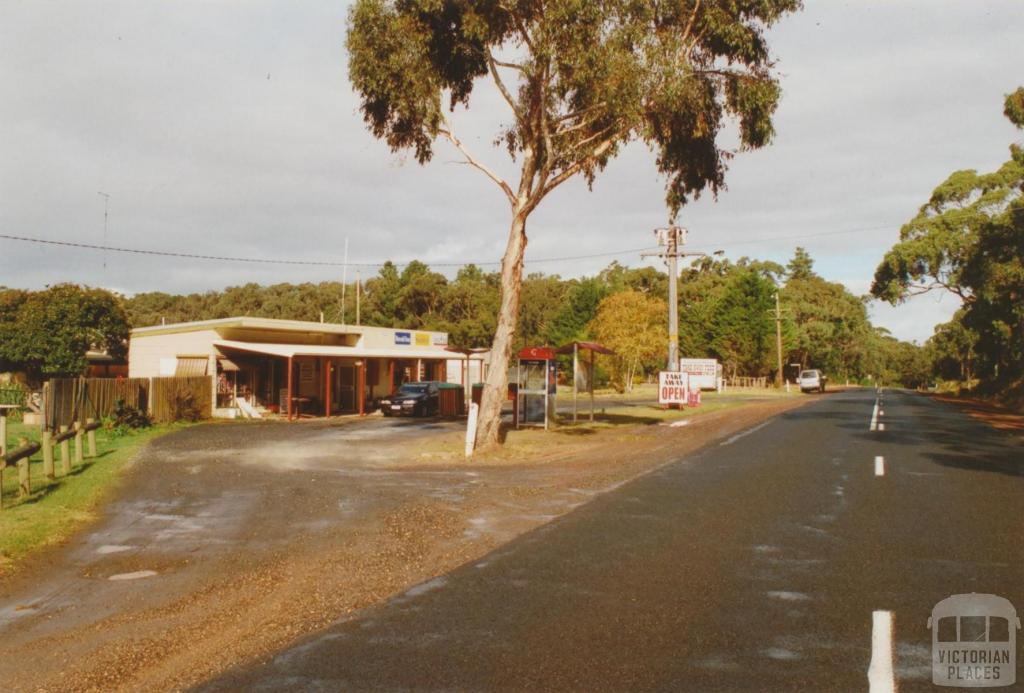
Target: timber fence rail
66	400
177	399
747	383
84	438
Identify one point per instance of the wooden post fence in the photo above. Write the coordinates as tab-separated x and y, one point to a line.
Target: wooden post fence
90	432
65	449
79	456
48	470
24	480
20	457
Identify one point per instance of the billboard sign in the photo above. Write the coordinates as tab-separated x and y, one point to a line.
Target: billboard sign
673	387
703	372
403	338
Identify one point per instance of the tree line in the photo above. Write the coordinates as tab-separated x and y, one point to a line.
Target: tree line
968	240
726	312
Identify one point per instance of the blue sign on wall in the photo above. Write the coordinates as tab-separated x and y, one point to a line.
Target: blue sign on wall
403	337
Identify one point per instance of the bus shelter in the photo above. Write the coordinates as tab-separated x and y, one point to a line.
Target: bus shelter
583	377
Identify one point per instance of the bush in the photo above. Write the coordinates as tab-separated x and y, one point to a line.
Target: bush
184	407
129	417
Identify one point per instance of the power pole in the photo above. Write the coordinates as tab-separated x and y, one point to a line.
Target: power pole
778	342
106	205
672	239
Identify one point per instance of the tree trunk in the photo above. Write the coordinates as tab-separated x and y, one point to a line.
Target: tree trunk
496	386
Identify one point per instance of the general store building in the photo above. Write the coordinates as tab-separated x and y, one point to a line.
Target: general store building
261	366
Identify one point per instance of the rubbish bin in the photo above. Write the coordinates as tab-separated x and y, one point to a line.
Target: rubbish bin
478	393
450	401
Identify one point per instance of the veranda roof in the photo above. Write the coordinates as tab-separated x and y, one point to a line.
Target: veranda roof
294	350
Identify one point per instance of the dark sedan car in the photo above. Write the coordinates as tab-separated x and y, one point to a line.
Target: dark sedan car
415	399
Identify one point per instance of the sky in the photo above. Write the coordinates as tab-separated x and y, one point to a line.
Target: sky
229	129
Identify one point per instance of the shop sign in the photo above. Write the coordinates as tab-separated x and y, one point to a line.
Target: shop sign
673	387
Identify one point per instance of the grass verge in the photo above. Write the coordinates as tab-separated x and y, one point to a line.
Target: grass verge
57	508
532	444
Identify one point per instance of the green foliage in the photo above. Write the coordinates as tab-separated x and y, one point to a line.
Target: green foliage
588	78
969	240
801	266
632	325
127	418
725	310
826	326
742	333
47	333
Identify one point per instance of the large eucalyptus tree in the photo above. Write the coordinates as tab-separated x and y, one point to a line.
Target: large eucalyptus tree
581	79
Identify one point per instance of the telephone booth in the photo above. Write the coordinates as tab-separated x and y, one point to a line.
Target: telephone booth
536	374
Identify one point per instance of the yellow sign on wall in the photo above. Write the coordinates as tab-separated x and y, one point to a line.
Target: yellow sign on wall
422	339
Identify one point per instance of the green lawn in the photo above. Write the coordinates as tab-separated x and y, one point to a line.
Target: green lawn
55	509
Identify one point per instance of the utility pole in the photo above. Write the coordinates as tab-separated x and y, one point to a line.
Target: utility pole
359	291
106	206
344	281
673	238
778	342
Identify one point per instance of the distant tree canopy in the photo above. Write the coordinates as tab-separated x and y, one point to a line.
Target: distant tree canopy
968	239
726	311
47	333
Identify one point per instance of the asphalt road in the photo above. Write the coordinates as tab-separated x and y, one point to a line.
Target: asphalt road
754	564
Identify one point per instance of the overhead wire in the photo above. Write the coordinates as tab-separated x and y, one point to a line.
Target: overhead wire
330	263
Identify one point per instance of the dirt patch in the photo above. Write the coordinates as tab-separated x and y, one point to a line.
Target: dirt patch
244	538
994	415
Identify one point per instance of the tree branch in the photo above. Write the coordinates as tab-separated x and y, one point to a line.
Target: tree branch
689	24
450	134
575	168
514	66
492	64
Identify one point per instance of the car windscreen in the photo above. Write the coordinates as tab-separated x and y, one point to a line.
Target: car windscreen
809	374
413	389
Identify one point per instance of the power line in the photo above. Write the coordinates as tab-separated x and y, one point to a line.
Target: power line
327	263
267	261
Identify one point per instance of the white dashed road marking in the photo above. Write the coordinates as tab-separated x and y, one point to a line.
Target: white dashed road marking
881	678
879	465
138	574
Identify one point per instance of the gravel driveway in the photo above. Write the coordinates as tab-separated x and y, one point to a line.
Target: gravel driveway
228	541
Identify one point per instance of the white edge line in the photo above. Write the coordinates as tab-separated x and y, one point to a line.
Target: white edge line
747	432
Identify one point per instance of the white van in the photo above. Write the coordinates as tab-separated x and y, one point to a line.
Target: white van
811	381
